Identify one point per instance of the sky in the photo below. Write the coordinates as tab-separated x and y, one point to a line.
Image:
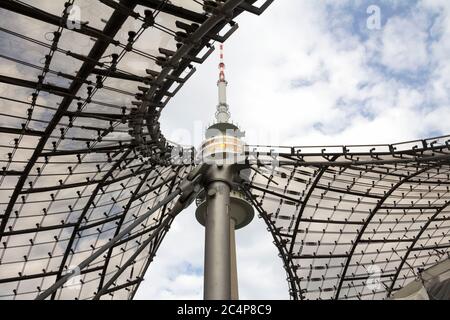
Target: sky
308	73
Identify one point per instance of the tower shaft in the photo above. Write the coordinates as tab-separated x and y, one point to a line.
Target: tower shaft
233	262
217	281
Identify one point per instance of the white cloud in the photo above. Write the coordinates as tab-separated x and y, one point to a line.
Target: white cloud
404	43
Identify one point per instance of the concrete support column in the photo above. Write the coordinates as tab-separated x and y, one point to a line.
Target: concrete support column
233	267
222	211
217	277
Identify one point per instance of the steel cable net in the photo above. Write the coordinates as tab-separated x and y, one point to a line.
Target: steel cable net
354	222
82	156
82	86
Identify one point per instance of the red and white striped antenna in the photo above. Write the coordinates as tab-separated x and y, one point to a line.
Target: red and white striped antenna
222	114
221	65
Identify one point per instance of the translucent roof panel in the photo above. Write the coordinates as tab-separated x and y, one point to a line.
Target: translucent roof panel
82	86
354	222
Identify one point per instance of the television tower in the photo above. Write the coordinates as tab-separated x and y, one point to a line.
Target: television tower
222	207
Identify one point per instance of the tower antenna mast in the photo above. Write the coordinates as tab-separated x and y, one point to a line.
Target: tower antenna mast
222	113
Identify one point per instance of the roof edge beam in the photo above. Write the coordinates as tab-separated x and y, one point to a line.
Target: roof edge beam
173	10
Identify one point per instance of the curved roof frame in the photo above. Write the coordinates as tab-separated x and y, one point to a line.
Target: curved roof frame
358	223
83	155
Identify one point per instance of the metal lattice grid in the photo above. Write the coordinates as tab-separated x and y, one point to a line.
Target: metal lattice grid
342	216
82	154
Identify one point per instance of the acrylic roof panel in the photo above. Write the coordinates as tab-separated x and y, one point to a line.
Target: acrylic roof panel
53	231
82	86
343	217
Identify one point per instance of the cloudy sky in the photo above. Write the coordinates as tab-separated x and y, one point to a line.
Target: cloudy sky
309	73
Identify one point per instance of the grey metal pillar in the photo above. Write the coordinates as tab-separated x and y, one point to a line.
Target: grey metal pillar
217	277
233	266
